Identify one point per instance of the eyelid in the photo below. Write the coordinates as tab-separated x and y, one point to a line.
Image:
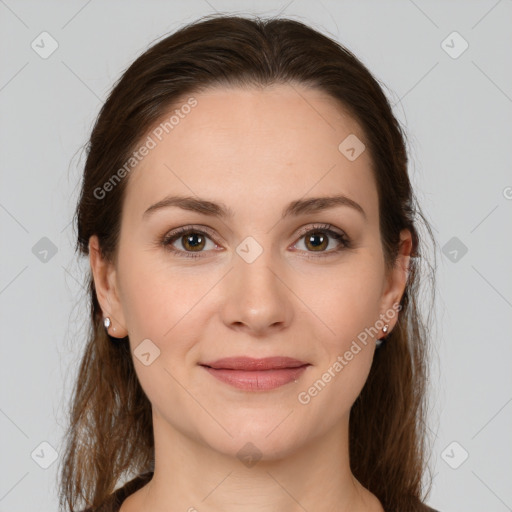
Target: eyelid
317	226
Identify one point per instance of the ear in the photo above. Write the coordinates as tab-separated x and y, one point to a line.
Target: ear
396	280
104	275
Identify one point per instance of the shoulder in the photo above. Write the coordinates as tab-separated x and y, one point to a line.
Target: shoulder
115	500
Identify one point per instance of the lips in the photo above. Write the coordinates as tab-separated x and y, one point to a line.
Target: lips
256	374
251	364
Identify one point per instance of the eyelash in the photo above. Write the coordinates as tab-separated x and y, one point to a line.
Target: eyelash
171	237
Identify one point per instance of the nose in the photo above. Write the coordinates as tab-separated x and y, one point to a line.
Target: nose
256	297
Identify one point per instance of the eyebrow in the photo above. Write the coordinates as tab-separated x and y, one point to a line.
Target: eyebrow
298	207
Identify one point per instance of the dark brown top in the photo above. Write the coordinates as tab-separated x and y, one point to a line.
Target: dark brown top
116	499
113	504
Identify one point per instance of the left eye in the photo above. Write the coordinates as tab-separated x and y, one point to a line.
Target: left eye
317	240
193	241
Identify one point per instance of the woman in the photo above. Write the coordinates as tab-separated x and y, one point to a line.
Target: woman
255	338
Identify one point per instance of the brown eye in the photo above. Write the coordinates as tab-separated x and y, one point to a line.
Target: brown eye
193	241
187	242
317	241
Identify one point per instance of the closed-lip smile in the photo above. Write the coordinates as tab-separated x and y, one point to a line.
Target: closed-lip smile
256	374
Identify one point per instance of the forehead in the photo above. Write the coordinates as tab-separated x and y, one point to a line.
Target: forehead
252	148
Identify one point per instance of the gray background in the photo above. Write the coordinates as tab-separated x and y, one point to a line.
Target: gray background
457	112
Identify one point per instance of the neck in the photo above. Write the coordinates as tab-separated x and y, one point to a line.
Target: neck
193	477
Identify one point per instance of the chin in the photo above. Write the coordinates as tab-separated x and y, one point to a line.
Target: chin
269	439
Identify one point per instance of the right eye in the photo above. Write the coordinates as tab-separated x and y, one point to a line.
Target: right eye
192	241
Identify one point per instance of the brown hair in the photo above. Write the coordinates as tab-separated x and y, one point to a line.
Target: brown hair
110	435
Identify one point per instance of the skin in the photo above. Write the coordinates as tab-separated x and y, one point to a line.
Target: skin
255	150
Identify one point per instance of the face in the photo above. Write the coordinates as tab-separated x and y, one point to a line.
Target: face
253	282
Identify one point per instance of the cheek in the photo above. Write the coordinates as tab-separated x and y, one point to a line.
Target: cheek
346	300
337	381
157	297
348	305
160	303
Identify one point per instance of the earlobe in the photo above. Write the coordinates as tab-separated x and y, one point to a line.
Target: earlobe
103	273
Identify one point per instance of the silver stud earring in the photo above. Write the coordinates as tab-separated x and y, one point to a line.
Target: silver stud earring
107	323
379	342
